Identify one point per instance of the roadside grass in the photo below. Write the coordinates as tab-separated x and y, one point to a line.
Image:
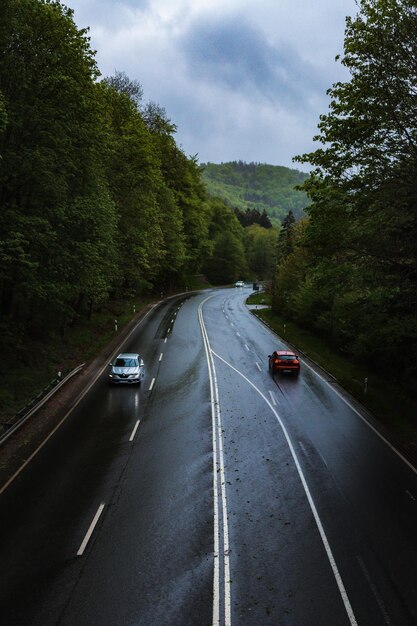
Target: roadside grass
390	403
261	297
196	282
38	365
29	370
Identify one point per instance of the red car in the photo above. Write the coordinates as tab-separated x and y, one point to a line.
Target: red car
284	361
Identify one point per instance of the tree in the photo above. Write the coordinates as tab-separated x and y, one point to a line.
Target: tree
362	232
260	248
227	263
121	82
132	167
285	242
371	126
50	161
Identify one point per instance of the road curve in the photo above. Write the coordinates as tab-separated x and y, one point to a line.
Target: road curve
214	494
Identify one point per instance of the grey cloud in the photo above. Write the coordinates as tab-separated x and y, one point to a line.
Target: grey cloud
231	52
106	13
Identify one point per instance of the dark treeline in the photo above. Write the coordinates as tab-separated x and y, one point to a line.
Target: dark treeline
97	200
350	269
253	216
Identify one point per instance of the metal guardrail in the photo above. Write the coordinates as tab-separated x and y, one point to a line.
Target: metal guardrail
31	408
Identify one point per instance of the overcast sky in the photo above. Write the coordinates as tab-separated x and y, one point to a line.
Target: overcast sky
242	79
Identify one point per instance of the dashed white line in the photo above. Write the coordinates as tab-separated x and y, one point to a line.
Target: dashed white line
90	530
80	397
274	402
374	591
304	449
258	366
160	356
152	384
238	334
247	347
132	436
410	495
166	339
351	406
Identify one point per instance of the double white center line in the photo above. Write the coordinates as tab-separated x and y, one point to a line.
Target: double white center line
221	561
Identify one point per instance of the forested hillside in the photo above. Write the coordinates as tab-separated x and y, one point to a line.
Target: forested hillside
97	201
350	270
258	186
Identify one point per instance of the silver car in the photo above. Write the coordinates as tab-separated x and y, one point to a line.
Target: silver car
127	369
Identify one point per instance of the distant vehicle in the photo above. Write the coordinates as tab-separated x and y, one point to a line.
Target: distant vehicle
239	283
284	361
127	369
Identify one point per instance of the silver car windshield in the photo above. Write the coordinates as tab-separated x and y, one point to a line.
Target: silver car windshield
126	363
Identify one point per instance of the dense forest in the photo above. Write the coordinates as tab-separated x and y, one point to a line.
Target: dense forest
350	269
256	186
97	200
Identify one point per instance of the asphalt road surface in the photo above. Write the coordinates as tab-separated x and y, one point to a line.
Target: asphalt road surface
212	494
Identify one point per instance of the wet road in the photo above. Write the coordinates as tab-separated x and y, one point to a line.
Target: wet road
211	495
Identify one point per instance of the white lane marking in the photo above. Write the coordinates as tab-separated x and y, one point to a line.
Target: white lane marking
165	340
77	402
152	384
227	317
349	404
304	449
90	530
247	347
160	356
132	436
172	321
372	585
410	495
274	402
218	466
238	334
258	366
363	418
336	574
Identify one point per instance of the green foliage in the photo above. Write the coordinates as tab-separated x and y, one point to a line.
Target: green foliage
3	113
268	188
97	200
49	162
352	275
253	216
285	244
226	261
260	247
134	179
